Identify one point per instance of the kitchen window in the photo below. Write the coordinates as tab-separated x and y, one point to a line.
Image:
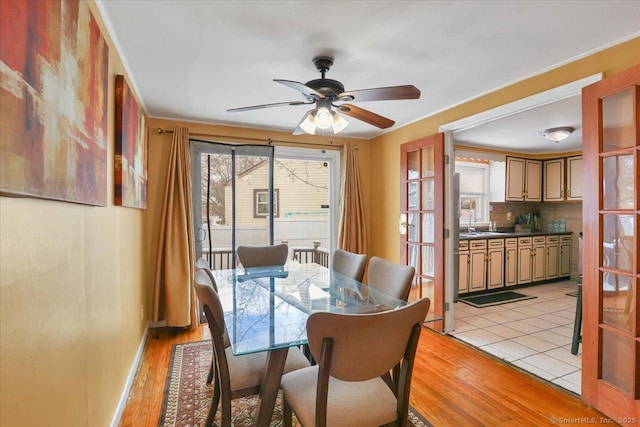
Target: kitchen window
261	203
474	192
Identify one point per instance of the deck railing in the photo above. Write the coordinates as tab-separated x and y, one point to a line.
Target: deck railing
222	258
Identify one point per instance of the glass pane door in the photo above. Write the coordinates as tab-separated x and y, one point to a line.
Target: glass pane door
611	352
422	204
234	200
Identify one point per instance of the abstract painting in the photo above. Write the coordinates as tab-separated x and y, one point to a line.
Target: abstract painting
131	149
54	82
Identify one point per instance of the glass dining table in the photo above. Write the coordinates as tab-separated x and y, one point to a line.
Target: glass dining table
266	309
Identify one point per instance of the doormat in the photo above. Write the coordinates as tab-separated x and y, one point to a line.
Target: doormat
496	298
572	294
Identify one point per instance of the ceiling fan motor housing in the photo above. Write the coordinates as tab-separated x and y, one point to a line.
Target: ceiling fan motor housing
327	87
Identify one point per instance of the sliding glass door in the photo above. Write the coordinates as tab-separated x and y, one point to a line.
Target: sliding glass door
234	199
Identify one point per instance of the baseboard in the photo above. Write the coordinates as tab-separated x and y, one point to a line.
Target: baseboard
122	403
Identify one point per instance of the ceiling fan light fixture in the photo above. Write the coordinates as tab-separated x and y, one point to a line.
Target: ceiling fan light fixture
557	134
308	125
339	123
323	118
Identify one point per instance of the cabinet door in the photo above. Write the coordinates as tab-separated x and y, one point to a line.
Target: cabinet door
524	264
533	181
514	190
478	271
538	262
574	178
463	272
495	268
565	260
511	266
553	178
552	265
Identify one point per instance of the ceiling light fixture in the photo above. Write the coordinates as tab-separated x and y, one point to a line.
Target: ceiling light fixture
323	118
557	134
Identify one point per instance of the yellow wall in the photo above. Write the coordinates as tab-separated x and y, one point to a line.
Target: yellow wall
385	150
72	280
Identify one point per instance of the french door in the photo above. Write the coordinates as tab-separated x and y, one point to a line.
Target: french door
611	276
422	220
234	201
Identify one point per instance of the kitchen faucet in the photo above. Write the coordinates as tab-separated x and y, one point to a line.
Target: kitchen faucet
471	214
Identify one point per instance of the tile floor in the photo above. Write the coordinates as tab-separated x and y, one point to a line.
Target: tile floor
534	334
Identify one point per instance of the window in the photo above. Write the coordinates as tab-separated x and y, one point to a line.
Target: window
474	192
261	203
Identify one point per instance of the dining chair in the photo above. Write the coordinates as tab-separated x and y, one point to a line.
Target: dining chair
346	387
349	264
263	256
236	376
202	263
391	278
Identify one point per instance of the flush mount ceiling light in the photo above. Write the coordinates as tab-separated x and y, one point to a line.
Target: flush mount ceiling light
557	134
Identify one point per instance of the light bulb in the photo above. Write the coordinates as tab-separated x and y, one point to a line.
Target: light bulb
308	125
339	123
323	118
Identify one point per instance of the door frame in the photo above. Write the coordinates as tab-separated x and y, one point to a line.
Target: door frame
547	97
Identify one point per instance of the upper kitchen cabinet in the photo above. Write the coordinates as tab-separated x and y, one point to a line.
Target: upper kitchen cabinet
524	180
574	178
553	171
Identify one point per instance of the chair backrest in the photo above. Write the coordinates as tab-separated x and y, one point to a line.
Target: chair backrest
203	264
354	335
263	256
207	293
391	278
349	264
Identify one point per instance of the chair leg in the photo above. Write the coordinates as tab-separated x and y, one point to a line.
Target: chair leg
287	413
210	377
577	324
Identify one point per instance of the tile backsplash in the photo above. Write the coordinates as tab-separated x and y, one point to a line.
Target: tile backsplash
570	212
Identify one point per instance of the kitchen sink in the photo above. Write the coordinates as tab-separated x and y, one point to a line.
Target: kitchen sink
482	233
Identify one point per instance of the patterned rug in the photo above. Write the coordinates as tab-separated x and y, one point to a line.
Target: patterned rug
187	396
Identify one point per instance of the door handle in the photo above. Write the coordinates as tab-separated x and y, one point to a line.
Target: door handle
402	226
201	232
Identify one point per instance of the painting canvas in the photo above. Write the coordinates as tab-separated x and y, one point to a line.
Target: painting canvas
131	149
54	65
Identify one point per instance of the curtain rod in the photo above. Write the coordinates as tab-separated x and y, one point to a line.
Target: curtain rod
268	140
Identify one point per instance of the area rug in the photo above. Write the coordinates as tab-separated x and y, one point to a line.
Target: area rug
187	396
495	298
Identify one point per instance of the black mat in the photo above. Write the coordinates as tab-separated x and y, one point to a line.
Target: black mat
496	298
572	294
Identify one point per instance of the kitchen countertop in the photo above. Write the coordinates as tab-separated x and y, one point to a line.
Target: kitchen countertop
508	234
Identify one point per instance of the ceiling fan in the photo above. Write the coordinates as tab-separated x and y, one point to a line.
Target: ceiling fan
327	93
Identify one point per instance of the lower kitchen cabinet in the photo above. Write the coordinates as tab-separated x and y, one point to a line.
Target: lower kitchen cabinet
510	262
552	254
495	263
463	267
539	259
564	259
525	260
477	265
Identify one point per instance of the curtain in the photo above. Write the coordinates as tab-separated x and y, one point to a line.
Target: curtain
352	235
174	298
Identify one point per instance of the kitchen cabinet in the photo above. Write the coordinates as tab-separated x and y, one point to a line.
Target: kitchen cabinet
525	258
510	262
477	265
495	263
553	180
564	259
552	266
539	259
463	267
523	180
574	178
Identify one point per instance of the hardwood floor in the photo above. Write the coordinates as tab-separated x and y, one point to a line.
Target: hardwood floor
453	385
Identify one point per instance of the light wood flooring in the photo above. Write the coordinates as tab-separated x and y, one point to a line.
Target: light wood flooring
453	385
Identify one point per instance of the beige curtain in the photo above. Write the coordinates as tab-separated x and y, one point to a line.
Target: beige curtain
352	235
174	299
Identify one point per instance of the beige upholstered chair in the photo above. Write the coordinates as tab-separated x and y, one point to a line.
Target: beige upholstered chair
390	278
263	256
349	264
346	388
237	376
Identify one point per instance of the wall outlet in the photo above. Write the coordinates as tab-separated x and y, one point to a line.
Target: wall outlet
509	215
141	312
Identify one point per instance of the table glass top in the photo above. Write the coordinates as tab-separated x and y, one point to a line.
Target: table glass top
267	307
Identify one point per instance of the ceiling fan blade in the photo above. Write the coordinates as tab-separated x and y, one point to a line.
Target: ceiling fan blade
366	116
300	87
258	107
382	93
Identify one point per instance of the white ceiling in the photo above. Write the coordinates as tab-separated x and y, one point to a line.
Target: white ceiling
192	60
